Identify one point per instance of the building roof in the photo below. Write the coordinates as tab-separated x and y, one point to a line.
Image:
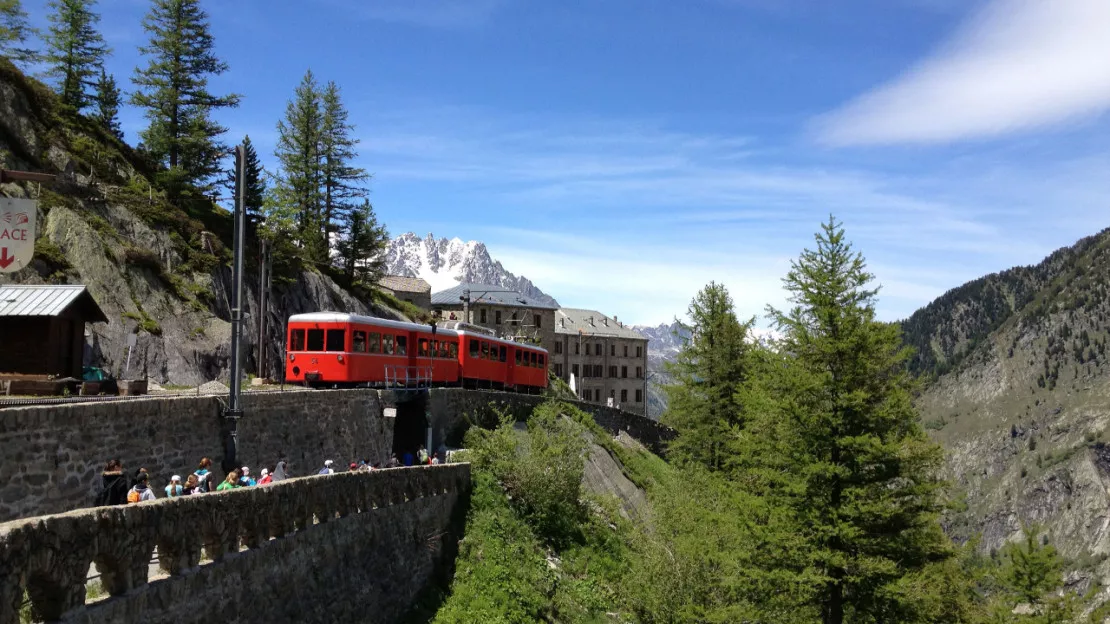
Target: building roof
400	283
21	300
592	323
488	294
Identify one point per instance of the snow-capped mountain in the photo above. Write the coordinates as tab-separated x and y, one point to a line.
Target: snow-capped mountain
663	346
443	263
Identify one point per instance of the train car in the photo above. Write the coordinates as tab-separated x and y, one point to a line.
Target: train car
330	349
346	350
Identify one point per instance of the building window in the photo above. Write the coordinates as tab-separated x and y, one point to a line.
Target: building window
639	396
597	348
558	348
624	395
482	313
612	371
612	394
625	350
599	371
624	372
574	370
497	317
537	320
612	350
577	346
639	372
639	352
558	370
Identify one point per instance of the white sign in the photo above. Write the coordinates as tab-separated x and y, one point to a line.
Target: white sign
17	233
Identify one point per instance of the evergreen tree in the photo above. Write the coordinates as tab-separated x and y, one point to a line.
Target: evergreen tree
75	50
255	185
865	485
337	149
362	247
1031	572
107	104
299	152
703	403
14	32
174	91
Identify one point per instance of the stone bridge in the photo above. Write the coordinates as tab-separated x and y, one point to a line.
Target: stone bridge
247	555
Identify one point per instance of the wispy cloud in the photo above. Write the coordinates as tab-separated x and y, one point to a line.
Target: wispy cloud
1016	65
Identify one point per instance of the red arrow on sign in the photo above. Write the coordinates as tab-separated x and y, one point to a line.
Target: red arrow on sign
5	259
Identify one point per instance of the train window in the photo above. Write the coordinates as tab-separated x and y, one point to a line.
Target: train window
402	345
375	342
518	357
541	360
454	351
485	350
315	340
359	342
337	339
387	344
473	348
423	352
296	340
504	353
535	360
444	351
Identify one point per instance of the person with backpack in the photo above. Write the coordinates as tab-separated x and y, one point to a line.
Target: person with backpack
174	488
190	486
422	456
141	492
113	485
231	483
326	470
203	474
267	477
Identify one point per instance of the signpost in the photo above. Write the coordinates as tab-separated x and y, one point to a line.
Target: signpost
17	233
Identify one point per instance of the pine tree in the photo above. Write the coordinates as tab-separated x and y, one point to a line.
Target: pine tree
866	487
174	91
255	185
362	247
75	50
299	152
1031	575
15	32
107	104
337	149
708	373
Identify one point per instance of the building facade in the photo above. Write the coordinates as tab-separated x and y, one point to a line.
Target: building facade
507	313
412	289
607	360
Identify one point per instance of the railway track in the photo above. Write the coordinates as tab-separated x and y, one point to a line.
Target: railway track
52	400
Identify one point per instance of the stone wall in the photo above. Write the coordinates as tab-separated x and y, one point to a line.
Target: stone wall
53	456
351	547
454	409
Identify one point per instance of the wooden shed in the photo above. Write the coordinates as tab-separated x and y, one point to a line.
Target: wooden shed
42	329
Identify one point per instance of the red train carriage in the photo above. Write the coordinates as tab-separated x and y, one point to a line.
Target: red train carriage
334	349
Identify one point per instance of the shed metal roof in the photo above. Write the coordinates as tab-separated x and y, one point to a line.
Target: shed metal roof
24	300
592	323
488	294
400	283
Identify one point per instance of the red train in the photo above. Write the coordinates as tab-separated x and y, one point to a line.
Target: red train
330	349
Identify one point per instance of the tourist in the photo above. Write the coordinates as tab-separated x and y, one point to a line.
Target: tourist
141	492
353	467
422	456
406	459
245	479
231	483
435	460
113	485
267	477
326	470
191	486
393	462
281	472
174	488
202	473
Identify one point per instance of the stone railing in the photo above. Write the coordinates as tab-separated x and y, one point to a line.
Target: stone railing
49	557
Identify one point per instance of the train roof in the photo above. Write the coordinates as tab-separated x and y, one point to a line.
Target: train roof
343	317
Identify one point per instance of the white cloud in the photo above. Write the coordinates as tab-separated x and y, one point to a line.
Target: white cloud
1016	65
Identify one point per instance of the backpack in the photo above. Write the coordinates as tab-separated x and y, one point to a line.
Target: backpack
133	496
202	482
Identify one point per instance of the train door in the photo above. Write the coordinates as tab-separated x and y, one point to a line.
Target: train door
511	365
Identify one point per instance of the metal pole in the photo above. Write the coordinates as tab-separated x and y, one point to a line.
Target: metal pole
234	411
262	277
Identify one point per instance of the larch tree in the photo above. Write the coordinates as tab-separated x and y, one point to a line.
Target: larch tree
300	154
362	245
340	178
75	50
255	190
15	32
107	100
173	89
865	475
703	401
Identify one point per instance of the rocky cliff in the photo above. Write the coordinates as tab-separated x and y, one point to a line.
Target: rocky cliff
157	267
1022	401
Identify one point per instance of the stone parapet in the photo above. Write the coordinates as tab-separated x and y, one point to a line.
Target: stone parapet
352	547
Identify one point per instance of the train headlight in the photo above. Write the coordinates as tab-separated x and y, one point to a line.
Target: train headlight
340	358
292	358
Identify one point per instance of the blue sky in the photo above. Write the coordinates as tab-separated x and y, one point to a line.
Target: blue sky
623	153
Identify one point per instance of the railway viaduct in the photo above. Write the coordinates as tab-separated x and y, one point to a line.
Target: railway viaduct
351	547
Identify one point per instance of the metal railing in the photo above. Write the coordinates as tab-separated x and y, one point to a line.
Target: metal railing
408	376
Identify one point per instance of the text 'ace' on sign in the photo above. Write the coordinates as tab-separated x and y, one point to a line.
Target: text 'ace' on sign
17	232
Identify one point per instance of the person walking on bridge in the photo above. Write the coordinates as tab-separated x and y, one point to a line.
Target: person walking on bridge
326	470
113	485
231	483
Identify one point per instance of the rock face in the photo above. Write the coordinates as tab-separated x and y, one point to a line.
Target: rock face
664	343
1024	408
157	267
444	263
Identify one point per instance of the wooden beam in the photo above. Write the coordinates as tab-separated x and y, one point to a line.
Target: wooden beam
7	175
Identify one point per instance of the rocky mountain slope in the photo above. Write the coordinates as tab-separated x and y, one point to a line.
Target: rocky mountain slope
664	343
157	268
1021	400
443	263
